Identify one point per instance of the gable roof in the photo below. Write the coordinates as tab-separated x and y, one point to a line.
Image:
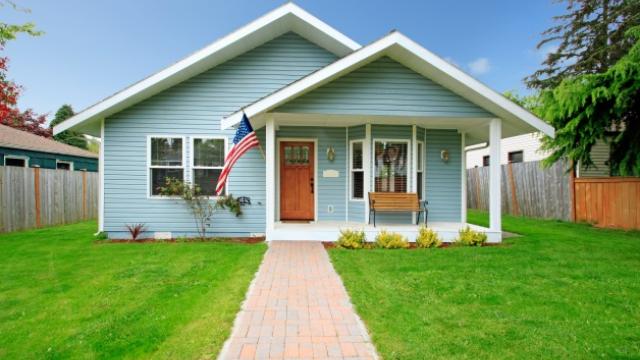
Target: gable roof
406	51
286	18
18	139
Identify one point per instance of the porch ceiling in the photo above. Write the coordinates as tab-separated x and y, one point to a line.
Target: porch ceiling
476	129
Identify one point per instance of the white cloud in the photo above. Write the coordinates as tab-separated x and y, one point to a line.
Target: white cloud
479	66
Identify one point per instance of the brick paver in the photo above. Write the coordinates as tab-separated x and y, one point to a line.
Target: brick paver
297	308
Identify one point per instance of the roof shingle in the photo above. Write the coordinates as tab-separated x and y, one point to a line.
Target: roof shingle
18	139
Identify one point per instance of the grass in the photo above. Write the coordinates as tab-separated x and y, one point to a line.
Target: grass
562	290
64	296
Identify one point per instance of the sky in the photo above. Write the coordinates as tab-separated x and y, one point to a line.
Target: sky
91	49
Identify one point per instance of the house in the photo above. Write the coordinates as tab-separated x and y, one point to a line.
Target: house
24	149
336	120
527	147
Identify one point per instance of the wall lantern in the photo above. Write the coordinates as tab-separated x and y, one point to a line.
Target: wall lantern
331	154
444	155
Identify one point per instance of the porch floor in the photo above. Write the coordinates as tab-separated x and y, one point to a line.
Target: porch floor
330	230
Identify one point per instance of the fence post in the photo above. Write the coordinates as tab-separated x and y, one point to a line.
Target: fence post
572	189
36	188
512	183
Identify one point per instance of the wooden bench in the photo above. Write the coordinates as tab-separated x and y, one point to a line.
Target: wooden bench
396	202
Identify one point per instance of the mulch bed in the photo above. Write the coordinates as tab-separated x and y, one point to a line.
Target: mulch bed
237	240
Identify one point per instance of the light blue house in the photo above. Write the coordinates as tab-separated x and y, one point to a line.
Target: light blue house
336	120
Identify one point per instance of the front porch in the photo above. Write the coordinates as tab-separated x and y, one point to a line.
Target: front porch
330	230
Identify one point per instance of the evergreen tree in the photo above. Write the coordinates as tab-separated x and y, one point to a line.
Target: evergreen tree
590	39
68	137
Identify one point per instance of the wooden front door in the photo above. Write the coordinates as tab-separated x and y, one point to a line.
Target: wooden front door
297	180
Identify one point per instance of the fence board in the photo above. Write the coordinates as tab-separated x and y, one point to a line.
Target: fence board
527	190
60	193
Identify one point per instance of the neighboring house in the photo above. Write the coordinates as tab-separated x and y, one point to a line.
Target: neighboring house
526	147
24	149
335	120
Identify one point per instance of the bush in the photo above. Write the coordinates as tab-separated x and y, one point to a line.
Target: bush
469	237
427	238
391	240
351	239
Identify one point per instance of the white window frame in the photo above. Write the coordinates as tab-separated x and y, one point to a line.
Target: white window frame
409	157
16	157
149	167
420	166
352	170
193	159
64	162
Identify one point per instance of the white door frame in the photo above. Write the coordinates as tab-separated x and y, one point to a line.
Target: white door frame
315	173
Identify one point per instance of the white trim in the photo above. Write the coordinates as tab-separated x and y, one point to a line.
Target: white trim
149	166
463	179
192	165
367	161
350	169
400	46
288	17
347	177
495	172
418	170
315	173
270	181
70	163
414	166
101	179
17	157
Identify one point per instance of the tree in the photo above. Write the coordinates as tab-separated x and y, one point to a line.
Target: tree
590	38
586	108
10	115
68	137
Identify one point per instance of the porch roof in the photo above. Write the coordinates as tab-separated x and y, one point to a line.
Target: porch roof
400	48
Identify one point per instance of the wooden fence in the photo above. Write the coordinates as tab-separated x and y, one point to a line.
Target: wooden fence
527	190
608	202
34	197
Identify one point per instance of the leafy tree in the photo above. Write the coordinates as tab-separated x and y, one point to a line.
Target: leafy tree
588	107
10	115
590	38
68	137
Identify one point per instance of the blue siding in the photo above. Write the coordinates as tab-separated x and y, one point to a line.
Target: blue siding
384	87
331	191
195	108
443	182
356	208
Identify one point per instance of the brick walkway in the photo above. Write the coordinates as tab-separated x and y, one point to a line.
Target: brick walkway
297	308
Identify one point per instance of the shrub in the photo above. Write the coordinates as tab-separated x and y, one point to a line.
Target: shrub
391	240
101	236
427	238
469	237
136	230
351	239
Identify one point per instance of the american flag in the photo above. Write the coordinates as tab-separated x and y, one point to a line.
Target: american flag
244	140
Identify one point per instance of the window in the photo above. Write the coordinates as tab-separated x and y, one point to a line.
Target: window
208	160
485	160
64	165
357	170
166	160
516	156
391	165
420	170
16	161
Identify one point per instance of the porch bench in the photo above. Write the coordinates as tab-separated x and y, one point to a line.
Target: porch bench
396	202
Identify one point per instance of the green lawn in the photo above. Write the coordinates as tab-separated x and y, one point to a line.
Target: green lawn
64	296
561	291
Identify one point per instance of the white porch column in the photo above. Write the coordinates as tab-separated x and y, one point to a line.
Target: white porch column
414	165
270	158
495	212
463	179
367	163
101	179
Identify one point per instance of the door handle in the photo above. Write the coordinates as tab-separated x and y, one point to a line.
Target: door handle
311	183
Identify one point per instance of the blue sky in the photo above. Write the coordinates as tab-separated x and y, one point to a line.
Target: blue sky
92	49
